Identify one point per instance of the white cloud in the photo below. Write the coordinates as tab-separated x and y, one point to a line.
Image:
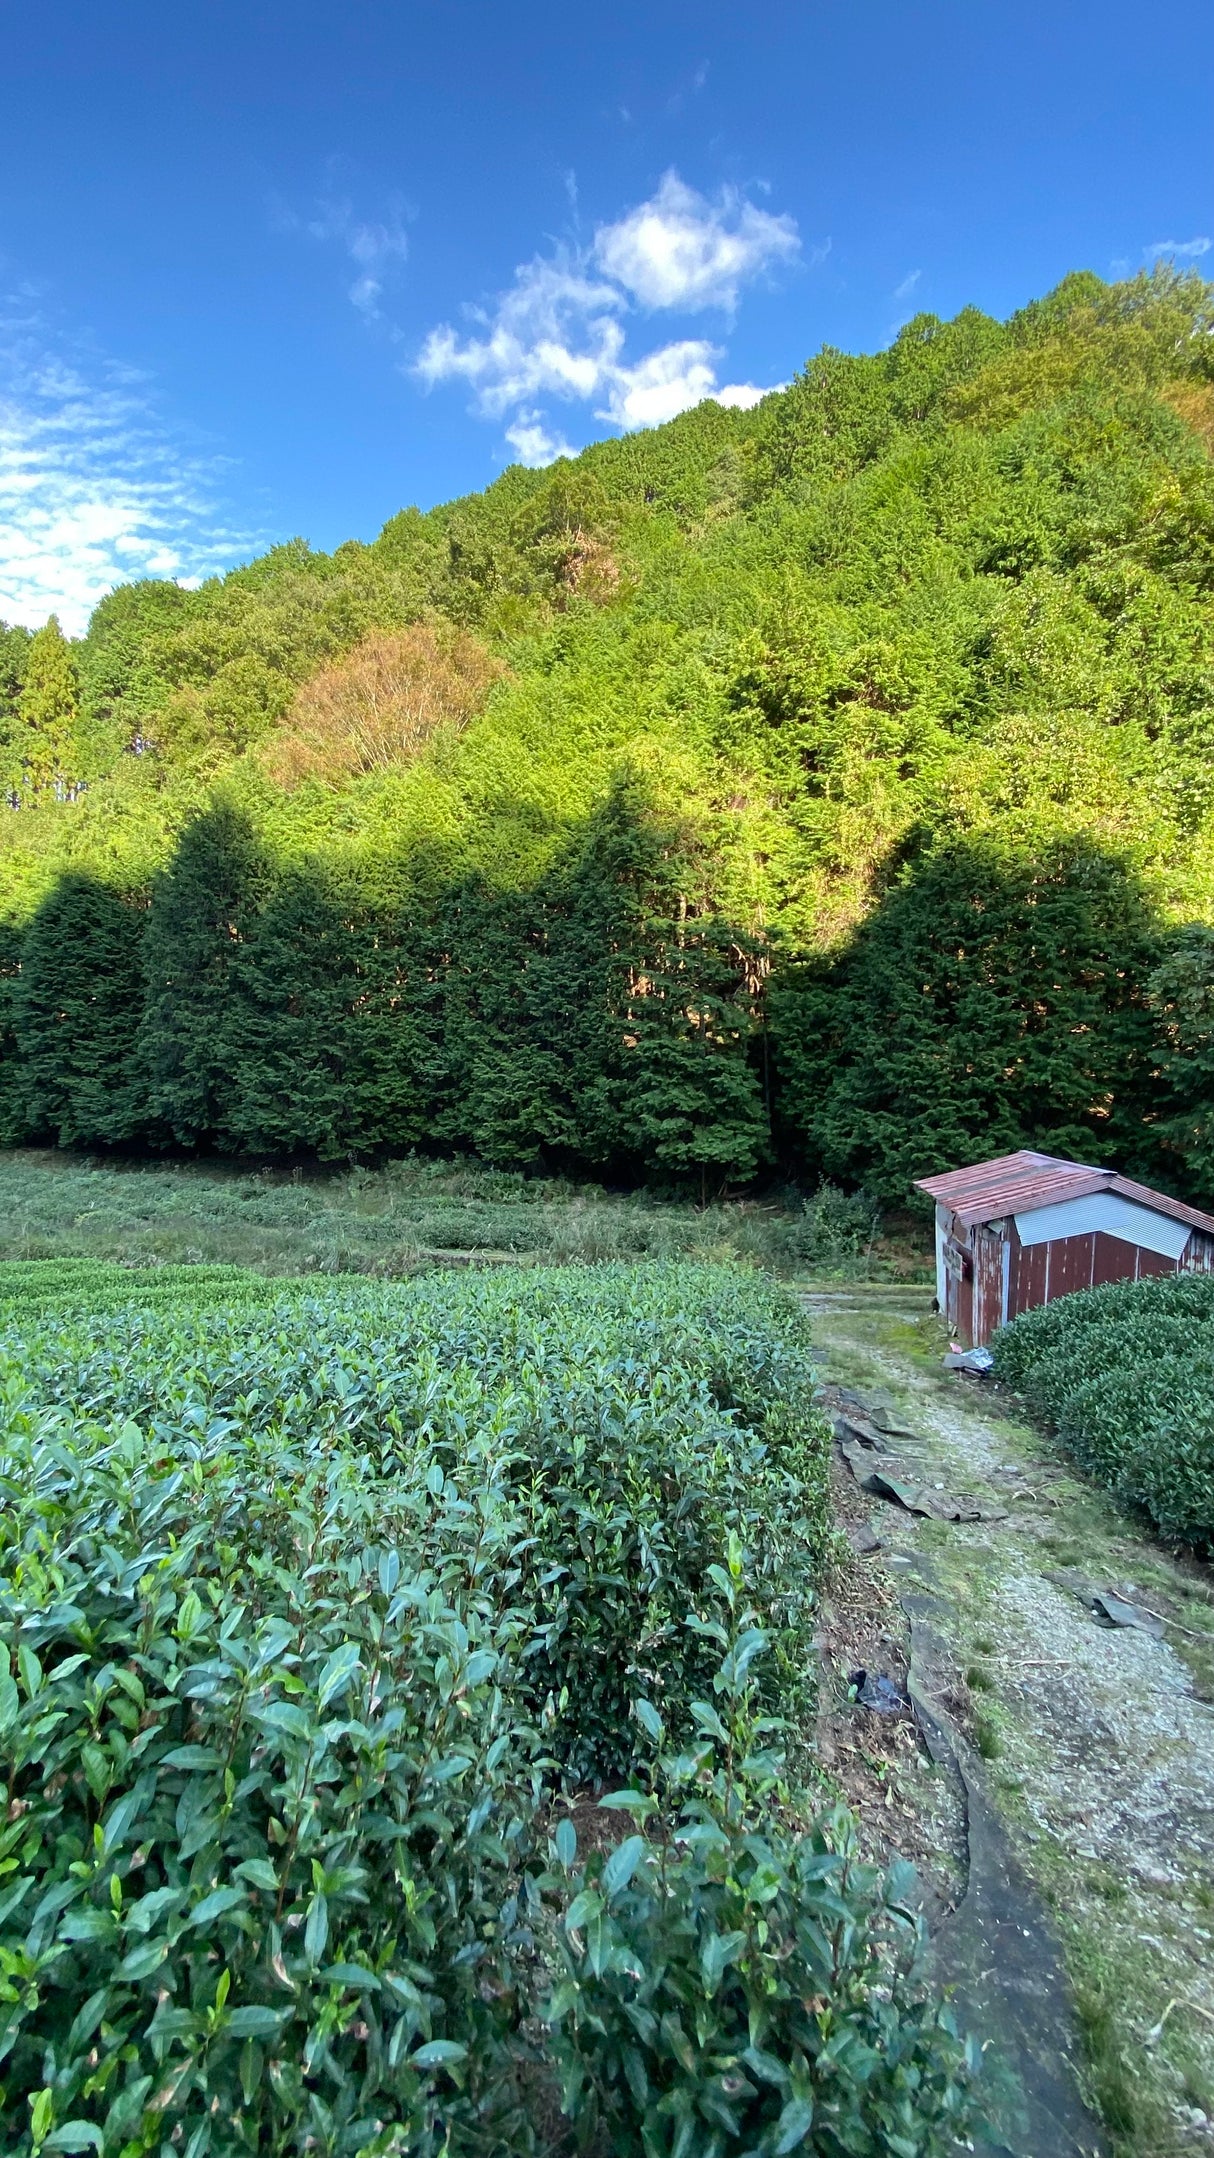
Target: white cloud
666	382
555	332
94	489
1192	248
531	438
905	289
559	331
744	396
680	250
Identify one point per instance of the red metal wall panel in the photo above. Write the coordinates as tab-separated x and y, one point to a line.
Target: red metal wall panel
1028	1277
1070	1265
1115	1260
1153	1262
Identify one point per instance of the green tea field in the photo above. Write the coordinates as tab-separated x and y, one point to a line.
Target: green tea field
331	1611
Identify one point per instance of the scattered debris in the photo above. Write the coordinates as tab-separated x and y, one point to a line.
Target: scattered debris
862	1538
873	1690
1112	1607
908	1496
915	1498
1156	2031
968	1360
887	1422
851	1421
1116	1612
852	1430
840	1400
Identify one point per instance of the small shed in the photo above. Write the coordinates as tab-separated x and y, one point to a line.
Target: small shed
1025	1228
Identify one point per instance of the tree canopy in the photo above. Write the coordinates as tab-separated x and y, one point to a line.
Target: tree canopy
829	785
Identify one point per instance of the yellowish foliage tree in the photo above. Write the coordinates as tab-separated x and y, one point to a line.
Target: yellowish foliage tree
382	703
48	709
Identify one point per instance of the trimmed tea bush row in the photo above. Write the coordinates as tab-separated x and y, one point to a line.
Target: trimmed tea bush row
634	1416
310	1607
1126	1375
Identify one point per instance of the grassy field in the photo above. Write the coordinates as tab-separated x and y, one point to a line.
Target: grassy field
394	1220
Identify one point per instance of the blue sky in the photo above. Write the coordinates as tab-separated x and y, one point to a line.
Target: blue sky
269	269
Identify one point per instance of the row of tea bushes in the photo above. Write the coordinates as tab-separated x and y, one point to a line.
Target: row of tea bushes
32	1286
311	1606
634	1416
1126	1375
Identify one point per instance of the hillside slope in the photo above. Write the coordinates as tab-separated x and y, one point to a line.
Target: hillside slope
829	783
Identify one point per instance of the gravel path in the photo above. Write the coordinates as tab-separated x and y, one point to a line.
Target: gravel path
1098	1741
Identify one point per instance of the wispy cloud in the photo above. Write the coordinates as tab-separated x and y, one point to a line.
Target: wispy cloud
905	289
690	87
534	442
95	489
1182	249
559	331
374	246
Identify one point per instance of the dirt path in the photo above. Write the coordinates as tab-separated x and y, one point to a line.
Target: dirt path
1093	1744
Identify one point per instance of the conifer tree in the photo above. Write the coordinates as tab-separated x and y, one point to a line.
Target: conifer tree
659	1043
1182	997
321	1025
48	709
76	1011
14	1123
996	998
286	1027
505	1088
203	908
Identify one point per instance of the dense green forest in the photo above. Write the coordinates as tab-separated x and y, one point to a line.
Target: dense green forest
825	789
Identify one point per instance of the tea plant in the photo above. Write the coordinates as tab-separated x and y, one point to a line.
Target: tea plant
313	1599
733	1983
267	1793
641	1413
1126	1375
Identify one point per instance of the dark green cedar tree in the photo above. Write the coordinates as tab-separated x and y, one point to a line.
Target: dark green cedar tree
77	1006
203	908
994	999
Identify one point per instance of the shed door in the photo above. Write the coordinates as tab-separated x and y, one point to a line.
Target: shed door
988	1285
959	1286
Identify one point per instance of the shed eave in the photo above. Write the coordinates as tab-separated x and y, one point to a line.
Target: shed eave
1020	1183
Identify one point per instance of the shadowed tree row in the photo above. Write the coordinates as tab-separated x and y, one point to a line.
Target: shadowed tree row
1002	992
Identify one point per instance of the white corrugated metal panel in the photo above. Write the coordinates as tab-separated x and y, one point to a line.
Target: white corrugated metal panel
1106	1211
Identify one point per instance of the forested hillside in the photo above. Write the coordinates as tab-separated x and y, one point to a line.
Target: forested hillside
825	787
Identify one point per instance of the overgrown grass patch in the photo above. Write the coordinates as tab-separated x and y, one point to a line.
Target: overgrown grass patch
415	1212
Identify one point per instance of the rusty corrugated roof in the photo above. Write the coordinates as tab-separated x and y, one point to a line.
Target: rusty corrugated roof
1018	1183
